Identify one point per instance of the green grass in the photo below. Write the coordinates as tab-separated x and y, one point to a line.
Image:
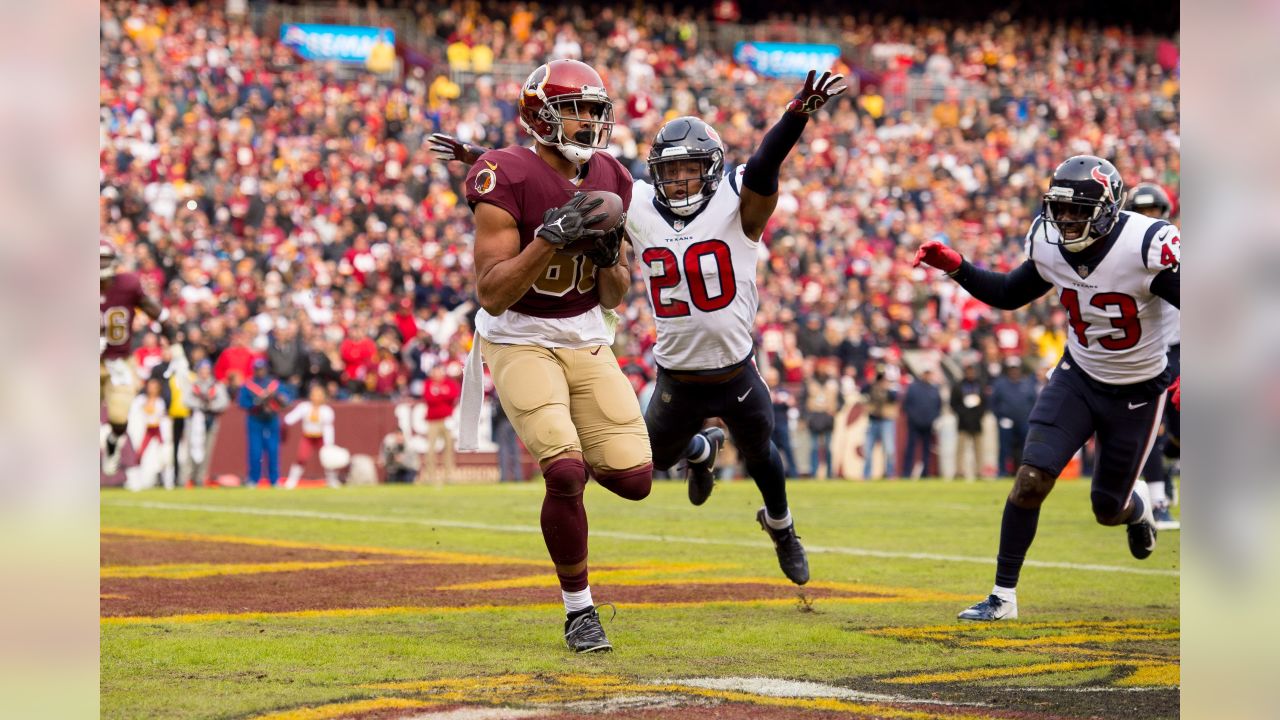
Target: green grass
243	668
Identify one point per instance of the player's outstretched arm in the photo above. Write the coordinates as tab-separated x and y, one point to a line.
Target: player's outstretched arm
448	148
760	178
1007	291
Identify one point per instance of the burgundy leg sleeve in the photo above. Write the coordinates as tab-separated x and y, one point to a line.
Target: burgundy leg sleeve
564	521
633	484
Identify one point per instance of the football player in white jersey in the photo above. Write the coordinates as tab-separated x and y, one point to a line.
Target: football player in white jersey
1113	271
696	231
1151	200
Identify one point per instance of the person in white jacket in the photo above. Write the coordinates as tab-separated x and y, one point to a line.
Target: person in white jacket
149	421
317	431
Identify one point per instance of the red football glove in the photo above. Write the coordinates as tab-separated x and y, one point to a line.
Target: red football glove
936	254
1175	393
816	94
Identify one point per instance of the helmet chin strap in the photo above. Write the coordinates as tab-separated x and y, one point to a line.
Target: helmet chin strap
575	154
1085	241
692	204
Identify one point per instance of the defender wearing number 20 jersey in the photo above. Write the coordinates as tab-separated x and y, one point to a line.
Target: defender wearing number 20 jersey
700	274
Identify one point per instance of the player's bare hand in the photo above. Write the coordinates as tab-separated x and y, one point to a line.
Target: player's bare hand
815	94
938	255
449	148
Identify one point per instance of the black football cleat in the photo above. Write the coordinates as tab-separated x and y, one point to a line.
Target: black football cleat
702	475
583	633
791	556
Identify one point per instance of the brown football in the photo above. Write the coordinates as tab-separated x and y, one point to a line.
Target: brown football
614	217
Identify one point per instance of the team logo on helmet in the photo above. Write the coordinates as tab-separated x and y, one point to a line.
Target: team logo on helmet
1104	180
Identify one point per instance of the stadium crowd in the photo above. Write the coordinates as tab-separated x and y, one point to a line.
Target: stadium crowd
287	210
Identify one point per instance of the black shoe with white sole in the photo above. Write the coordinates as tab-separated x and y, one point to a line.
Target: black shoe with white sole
702	475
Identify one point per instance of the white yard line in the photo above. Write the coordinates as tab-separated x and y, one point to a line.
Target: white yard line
638	537
773	687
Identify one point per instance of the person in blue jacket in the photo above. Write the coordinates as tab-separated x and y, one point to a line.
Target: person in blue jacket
263	398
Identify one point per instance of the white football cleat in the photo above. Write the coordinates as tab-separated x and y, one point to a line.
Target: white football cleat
993	608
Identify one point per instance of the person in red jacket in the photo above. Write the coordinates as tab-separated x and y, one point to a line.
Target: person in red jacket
441	396
235	364
359	353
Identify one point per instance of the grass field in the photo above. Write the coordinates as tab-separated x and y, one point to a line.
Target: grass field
407	602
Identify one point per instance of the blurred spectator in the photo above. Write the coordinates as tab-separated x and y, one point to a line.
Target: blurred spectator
287	356
882	421
441	397
208	401
822	398
783	403
399	462
969	402
922	405
510	469
1012	396
317	420
262	398
150	413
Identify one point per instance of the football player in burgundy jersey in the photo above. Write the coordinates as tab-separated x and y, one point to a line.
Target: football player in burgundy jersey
1116	273
699	240
120	294
545	327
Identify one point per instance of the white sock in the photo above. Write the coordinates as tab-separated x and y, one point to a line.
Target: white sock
574	601
1158	495
1004	593
702	454
778	523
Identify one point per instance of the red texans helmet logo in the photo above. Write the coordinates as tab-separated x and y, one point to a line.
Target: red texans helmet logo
1103	179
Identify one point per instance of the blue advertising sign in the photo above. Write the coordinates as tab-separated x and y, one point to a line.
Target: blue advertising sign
344	43
785	59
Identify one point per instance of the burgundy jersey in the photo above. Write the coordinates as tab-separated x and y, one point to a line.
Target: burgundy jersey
518	181
117	304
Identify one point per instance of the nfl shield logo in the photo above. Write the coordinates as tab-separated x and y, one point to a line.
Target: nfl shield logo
1083	270
678	225
666	397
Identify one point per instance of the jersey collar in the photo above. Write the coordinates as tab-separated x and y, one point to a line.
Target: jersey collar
1087	261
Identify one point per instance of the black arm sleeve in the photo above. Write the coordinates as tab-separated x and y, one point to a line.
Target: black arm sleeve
1006	291
1167	287
761	173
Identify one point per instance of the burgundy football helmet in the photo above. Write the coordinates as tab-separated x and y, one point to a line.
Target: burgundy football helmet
567	90
108	258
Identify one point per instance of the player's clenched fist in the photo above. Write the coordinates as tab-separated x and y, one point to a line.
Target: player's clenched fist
939	255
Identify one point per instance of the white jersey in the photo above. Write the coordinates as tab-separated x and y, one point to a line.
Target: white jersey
317	420
1119	329
1175	326
701	278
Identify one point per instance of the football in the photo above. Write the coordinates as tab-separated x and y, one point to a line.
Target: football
614	217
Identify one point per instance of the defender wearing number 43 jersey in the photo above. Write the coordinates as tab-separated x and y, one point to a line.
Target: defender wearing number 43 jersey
1113	270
